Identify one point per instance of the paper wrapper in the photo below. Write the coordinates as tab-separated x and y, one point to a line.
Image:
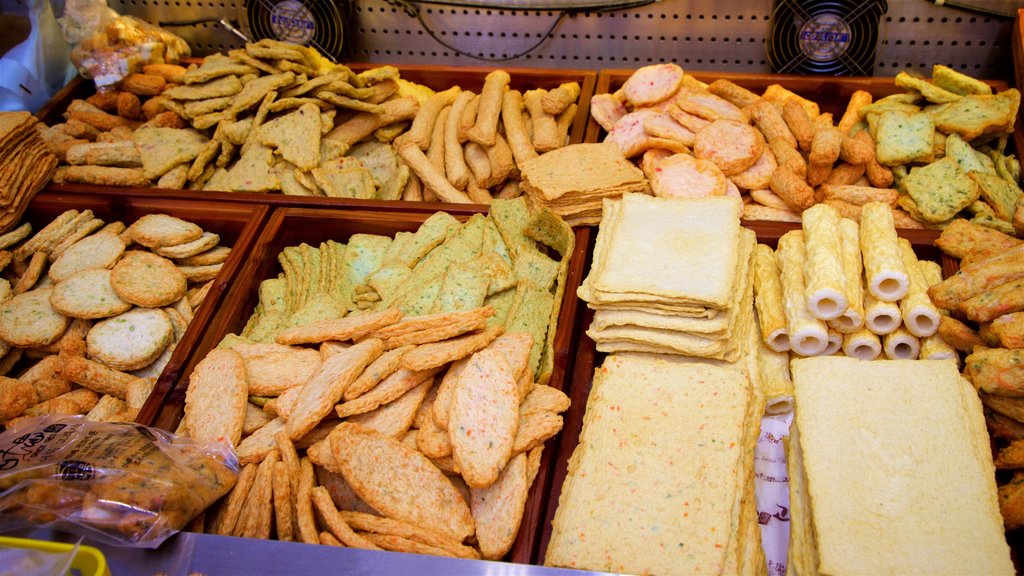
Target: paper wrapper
772	491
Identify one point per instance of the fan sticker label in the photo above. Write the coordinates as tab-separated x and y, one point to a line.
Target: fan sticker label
292	22
824	37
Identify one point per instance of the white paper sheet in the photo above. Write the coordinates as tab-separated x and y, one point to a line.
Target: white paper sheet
772	490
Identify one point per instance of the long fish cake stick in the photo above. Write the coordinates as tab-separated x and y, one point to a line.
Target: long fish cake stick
768	300
920	316
862	344
808	335
883	264
852	319
823	270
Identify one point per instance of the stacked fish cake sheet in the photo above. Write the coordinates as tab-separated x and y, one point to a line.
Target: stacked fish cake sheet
574	181
670	277
28	166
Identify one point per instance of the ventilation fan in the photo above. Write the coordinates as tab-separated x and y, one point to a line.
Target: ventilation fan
316	23
836	37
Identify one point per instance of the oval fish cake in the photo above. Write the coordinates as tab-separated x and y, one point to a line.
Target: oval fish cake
683	176
651	84
216	255
131	340
28	319
629	134
498	509
88	294
205	242
96	251
147	280
399	482
758	176
157	230
732	146
607	110
484	417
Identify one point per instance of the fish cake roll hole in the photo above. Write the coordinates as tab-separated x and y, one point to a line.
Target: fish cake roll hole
778	340
827	305
889	287
864	351
835	342
923	323
882	322
810	344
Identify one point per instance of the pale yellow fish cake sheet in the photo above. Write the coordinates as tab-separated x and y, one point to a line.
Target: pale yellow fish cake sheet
624	445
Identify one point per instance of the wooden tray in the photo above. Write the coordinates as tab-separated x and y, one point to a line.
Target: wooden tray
237	224
436	77
588	358
292	226
831	93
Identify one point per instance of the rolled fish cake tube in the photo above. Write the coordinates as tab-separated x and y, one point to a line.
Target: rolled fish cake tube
808	335
920	316
823	268
862	344
901	345
881	317
835	343
852	319
931	271
768	300
935	348
883	265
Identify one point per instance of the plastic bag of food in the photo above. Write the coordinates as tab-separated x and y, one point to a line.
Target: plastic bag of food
120	484
107	47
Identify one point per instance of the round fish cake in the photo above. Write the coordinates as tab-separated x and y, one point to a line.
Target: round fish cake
88	294
758	176
96	251
131	340
652	84
28	319
147	280
205	242
732	146
157	230
683	176
216	255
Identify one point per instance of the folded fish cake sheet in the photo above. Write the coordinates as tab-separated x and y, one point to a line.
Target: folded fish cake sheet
653	490
693	246
898	468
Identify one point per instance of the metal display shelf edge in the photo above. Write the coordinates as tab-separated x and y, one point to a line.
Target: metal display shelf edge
189	553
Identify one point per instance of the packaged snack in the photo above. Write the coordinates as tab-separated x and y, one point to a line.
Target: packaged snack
121	484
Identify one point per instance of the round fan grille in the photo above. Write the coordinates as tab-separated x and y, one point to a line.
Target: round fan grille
836	37
315	23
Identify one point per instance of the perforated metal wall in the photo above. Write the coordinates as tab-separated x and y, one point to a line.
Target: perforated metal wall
699	34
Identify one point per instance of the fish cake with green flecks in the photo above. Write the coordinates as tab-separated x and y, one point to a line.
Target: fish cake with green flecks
96	251
159	230
131	340
147	280
29	319
88	294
